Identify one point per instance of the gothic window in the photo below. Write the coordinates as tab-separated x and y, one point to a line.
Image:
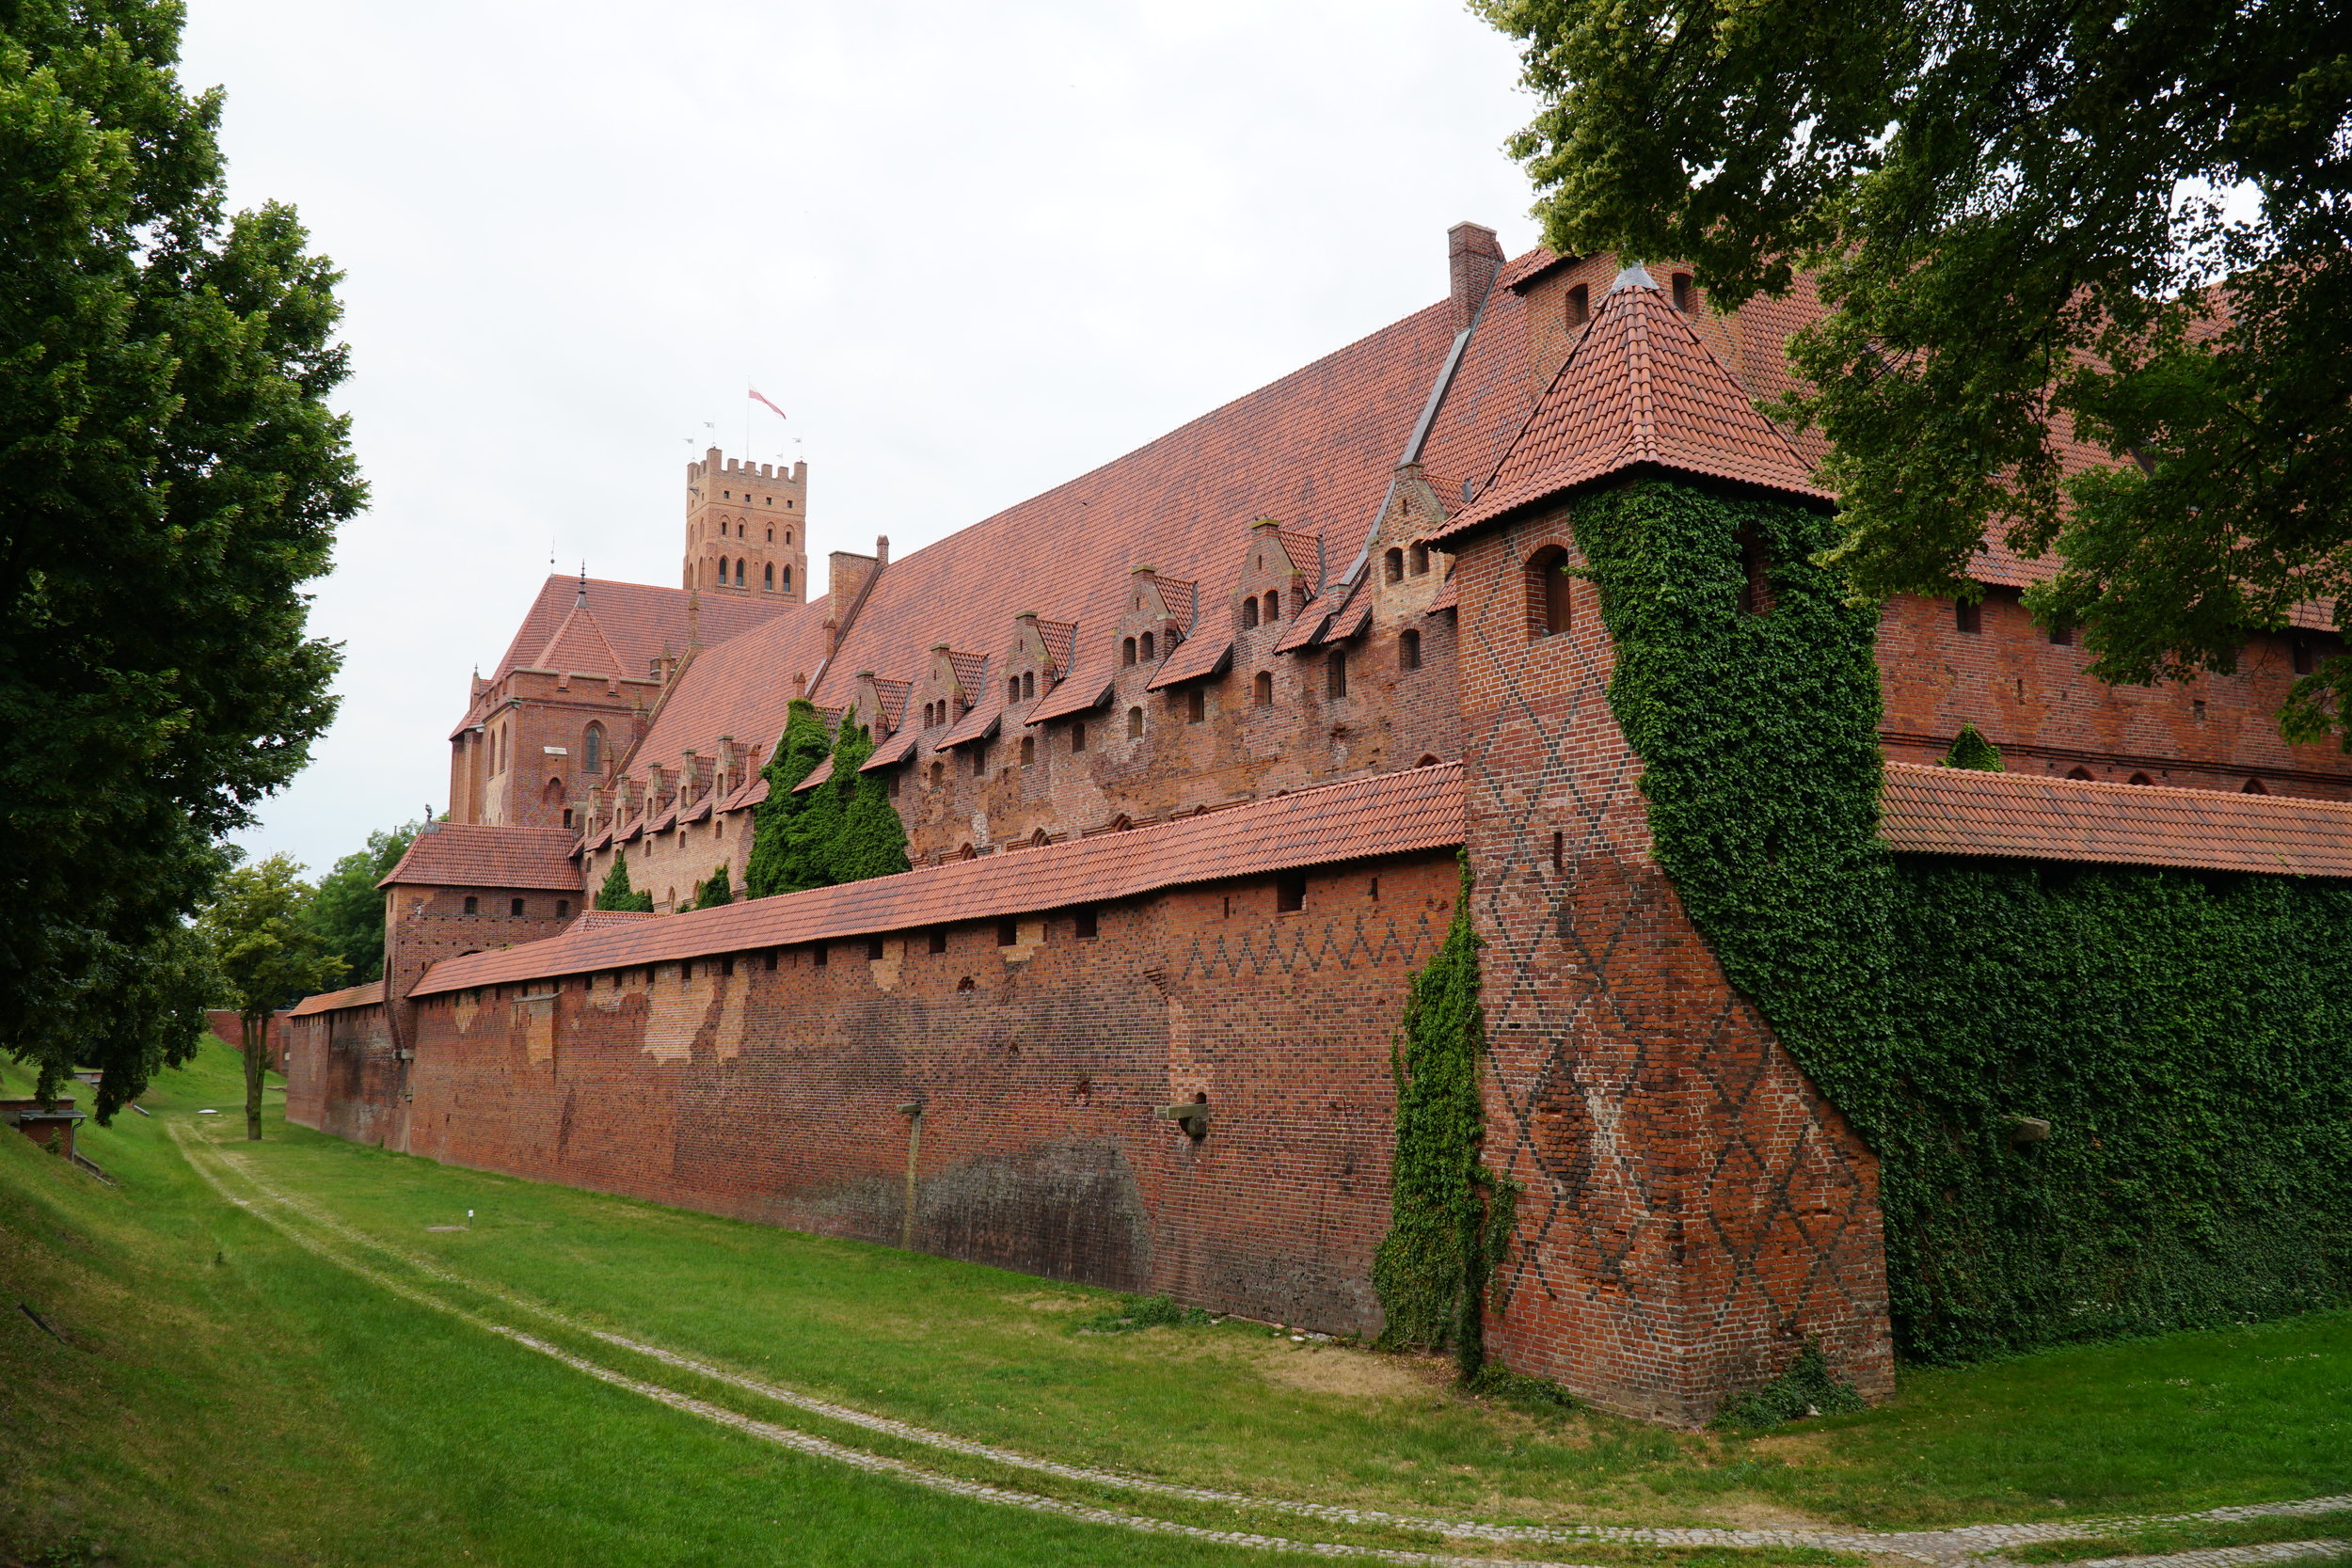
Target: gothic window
767	575
1394	561
1147	648
1408	650
1134	722
1248	613
787	577
1261	689
1548	605
739	571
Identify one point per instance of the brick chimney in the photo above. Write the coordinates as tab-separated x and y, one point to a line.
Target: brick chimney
1473	257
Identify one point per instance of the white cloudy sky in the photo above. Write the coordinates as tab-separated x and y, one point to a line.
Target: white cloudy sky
972	249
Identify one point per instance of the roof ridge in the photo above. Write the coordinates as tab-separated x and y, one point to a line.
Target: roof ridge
2138	792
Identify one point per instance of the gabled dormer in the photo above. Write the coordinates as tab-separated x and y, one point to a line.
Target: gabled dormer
949	688
1159	613
1281	572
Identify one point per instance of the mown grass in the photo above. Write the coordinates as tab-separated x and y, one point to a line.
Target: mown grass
239	1375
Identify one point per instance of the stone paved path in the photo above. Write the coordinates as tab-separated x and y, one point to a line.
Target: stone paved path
1973	1545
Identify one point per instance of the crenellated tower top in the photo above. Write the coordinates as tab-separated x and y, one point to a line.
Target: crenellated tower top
747	528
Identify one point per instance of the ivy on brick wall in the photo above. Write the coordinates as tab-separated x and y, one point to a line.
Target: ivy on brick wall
1450	1215
2185	1038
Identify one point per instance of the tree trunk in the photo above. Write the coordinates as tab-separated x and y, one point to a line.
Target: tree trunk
256	1030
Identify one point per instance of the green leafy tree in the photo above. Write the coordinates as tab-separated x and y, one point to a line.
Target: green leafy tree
170	473
804	744
2011	212
1971	750
616	894
269	952
348	910
872	842
714	891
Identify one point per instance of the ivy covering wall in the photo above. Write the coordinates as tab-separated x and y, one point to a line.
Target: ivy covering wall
2186	1038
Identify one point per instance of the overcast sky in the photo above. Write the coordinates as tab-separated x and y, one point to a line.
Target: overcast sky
971	250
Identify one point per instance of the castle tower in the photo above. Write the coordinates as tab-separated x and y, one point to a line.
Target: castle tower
747	529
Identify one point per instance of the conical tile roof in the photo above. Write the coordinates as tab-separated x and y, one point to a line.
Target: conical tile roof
1639	388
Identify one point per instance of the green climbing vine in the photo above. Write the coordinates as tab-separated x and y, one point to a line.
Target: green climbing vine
1450	1215
2185	1037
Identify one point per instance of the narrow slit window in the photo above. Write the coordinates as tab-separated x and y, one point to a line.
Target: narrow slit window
1547	604
1261	688
1408	650
1335	673
1196	704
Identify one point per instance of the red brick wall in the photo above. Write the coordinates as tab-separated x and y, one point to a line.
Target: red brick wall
777	1095
2034	700
1694	1211
343	1075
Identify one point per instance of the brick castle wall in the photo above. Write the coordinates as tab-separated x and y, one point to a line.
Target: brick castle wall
1694	1211
781	1094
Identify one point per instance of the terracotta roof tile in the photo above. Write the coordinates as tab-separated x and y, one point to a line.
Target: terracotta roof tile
1955	810
1352	619
894	701
369	995
1076	694
602	837
1306	553
1389	814
753	791
971	671
737	687
1305	628
599	920
636	620
1448	596
977	723
465	854
816	775
1640	388
629	828
661	819
891	751
1062	643
1194	657
580	647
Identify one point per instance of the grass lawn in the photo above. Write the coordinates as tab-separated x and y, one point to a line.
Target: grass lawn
232	1398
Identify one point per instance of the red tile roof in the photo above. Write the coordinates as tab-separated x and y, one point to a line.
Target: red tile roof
1956	811
1076	694
635	620
465	854
895	750
1639	389
598	920
369	995
1390	813
1194	657
977	723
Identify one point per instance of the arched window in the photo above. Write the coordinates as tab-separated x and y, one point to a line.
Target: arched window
1248	613
1078	736
1013	688
1273	608
1147	654
1197	704
1029	750
788	532
772	536
2081	773
788	579
2253	787
739	571
1394	561
1429	760
1579	307
1335	673
1408	650
1127	649
591	750
1685	297
939	774
1548	592
1135	724
767	576
1421	560
553	793
2140	778
1029	684
1261	689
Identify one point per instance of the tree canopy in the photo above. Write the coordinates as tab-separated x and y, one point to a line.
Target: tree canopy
348	910
270	954
2122	223
169	474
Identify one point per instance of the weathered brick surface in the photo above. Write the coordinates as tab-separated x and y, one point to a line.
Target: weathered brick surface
1695	1210
780	1095
2033	699
343	1076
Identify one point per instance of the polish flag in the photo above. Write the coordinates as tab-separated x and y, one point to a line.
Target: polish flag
756	398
